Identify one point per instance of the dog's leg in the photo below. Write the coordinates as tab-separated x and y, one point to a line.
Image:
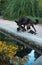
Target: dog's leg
23	28
28	27
33	28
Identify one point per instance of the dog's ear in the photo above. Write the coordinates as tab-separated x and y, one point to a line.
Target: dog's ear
16	21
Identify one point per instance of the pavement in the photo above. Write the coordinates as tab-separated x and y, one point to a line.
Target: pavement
11	26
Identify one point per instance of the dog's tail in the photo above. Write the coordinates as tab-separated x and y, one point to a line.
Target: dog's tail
37	21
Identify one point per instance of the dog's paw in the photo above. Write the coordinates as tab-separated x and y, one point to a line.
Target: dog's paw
32	32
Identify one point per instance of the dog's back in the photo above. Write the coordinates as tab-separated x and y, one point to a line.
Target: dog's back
26	21
23	21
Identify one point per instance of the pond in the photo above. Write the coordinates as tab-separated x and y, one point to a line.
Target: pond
13	53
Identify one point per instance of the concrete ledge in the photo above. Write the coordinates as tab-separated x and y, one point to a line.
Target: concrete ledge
38	61
27	38
23	40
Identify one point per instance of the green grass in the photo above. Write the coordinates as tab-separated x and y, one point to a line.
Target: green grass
12	9
33	18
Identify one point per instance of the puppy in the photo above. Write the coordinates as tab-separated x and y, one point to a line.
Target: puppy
26	22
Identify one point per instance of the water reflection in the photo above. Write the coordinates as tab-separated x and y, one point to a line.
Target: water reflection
11	54
36	54
24	52
31	58
22	57
26	60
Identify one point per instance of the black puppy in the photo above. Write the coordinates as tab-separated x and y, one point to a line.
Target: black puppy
24	21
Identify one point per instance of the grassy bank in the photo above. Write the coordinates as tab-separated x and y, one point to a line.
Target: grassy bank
33	18
12	9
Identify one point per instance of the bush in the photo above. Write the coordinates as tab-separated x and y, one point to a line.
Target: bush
12	9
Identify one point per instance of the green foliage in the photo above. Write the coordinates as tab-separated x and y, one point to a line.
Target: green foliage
0	7
36	8
12	9
40	8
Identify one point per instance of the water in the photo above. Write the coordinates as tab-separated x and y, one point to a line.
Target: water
25	56
30	58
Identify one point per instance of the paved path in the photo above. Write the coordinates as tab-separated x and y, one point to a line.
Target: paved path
14	25
11	27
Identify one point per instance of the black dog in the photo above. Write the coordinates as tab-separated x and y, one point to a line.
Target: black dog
24	21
